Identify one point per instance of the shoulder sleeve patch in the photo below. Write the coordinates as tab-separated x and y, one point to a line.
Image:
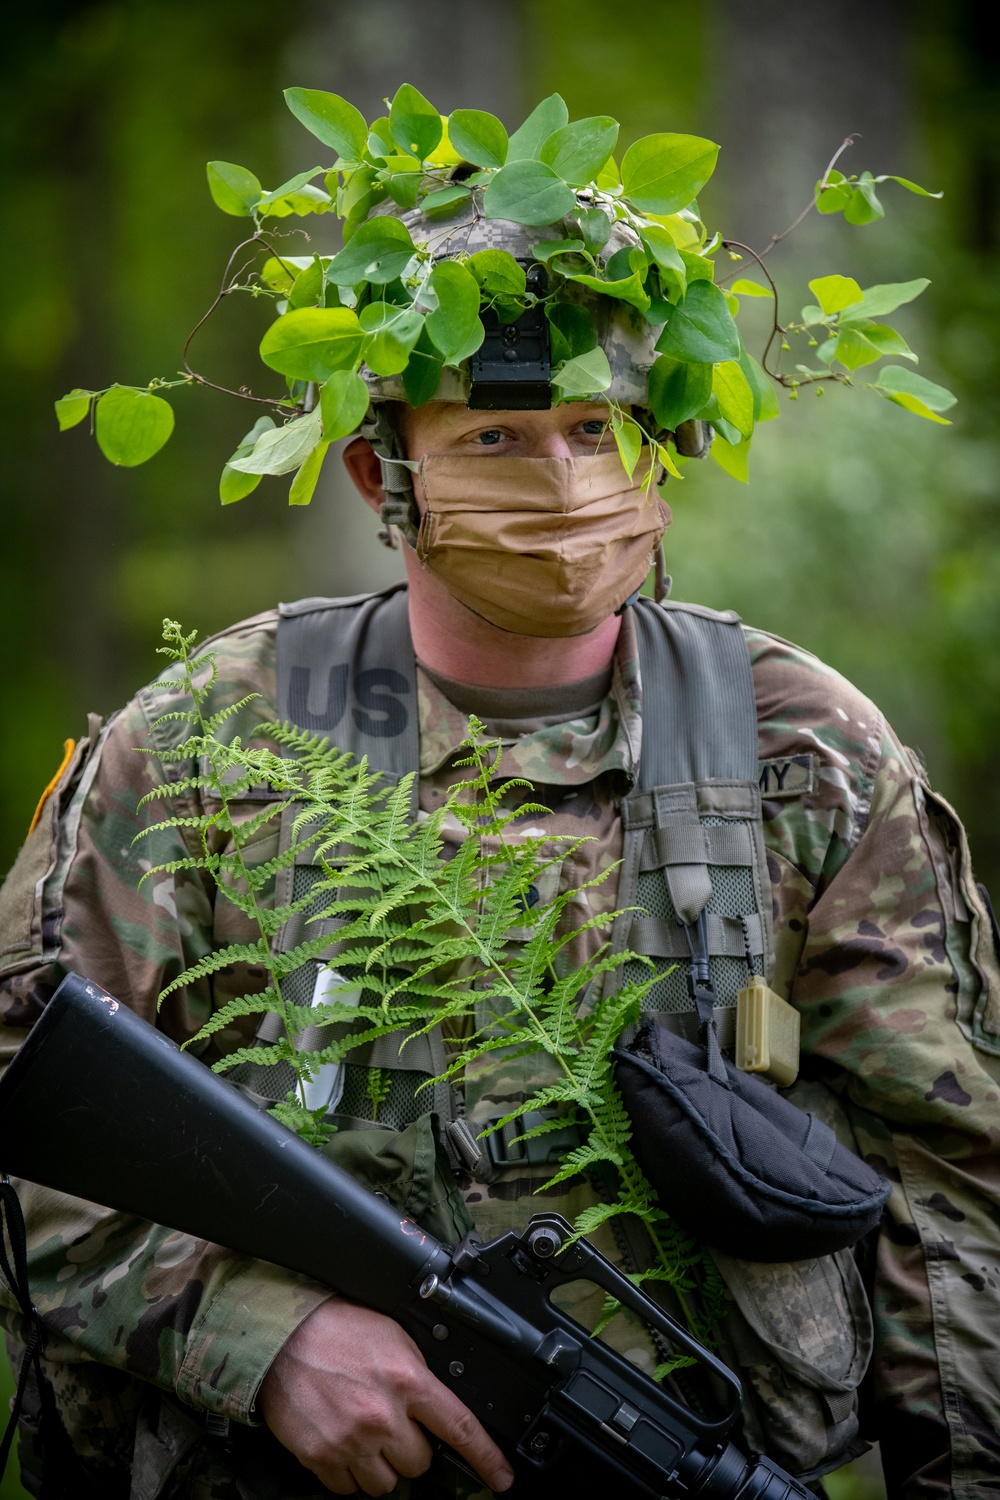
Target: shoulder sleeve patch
68	749
787	776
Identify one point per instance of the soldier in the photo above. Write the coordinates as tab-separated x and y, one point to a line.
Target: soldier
525	543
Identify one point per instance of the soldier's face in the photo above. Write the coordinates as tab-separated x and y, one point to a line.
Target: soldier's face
444	428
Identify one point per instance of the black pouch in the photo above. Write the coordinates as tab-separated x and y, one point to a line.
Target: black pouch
736	1164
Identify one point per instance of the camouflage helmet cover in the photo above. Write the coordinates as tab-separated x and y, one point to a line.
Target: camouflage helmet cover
623	333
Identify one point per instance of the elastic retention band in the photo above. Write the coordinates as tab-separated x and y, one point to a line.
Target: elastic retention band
12	1234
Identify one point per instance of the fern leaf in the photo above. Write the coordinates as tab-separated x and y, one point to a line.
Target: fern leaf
222	958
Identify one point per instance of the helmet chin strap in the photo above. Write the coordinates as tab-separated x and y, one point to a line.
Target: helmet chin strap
399	509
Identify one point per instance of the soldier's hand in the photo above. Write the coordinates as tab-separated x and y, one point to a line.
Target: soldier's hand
346	1394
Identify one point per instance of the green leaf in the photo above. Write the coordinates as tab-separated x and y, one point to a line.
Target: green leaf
628	440
629	289
834	197
281	274
661	249
864	207
283	197
279	450
664	253
527	141
307	475
308	287
392	332
379	251
765	397
572	330
478	137
547	250
357	197
445	197
834	293
855	348
896	382
343	402
235	190
678	390
662	173
918	407
331	120
609	178
745	288
596	228
404	181
249	442
73	408
528	192
911	187
700	329
131	425
735	397
422	375
697	267
380	141
455	322
732	459
415	124
883	340
586	375
235	486
497	273
876	301
311	343
577	152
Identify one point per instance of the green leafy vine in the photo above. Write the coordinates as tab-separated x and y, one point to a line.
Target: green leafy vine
389	304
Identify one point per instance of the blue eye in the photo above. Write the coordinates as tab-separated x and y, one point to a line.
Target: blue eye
595	426
491	436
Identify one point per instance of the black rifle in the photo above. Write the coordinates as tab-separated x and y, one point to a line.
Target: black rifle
101	1105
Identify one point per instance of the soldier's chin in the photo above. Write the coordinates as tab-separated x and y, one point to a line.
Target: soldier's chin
523	629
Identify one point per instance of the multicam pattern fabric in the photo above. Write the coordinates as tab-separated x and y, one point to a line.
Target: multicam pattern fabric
882	943
622	332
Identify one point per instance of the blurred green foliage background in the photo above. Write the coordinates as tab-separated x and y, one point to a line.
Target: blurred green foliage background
867	535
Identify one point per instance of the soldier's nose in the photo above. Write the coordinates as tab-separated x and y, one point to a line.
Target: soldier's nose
551	445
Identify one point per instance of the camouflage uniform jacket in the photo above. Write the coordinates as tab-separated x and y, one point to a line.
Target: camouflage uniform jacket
882	942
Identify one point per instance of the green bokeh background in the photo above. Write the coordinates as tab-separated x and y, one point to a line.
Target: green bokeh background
867	535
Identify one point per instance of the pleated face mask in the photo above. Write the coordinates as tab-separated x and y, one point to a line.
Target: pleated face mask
538	546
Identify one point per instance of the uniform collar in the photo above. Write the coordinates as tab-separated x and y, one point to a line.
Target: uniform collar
561	754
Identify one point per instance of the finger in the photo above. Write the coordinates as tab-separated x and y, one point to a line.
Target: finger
337	1481
373	1475
442	1413
409	1452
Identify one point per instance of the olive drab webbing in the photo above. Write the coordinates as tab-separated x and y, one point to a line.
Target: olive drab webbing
800	1334
693	840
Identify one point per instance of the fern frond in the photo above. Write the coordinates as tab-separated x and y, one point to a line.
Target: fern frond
263	1056
222	958
243	1005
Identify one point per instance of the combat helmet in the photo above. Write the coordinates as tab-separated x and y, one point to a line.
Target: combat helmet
512	367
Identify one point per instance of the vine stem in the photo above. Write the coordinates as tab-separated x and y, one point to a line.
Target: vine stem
224	291
778	375
820	189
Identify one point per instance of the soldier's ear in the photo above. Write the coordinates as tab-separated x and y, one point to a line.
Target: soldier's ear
361	462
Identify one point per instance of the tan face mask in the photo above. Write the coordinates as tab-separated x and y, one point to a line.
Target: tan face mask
538	546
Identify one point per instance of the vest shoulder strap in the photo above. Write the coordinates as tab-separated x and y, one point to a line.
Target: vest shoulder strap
699	709
345	669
